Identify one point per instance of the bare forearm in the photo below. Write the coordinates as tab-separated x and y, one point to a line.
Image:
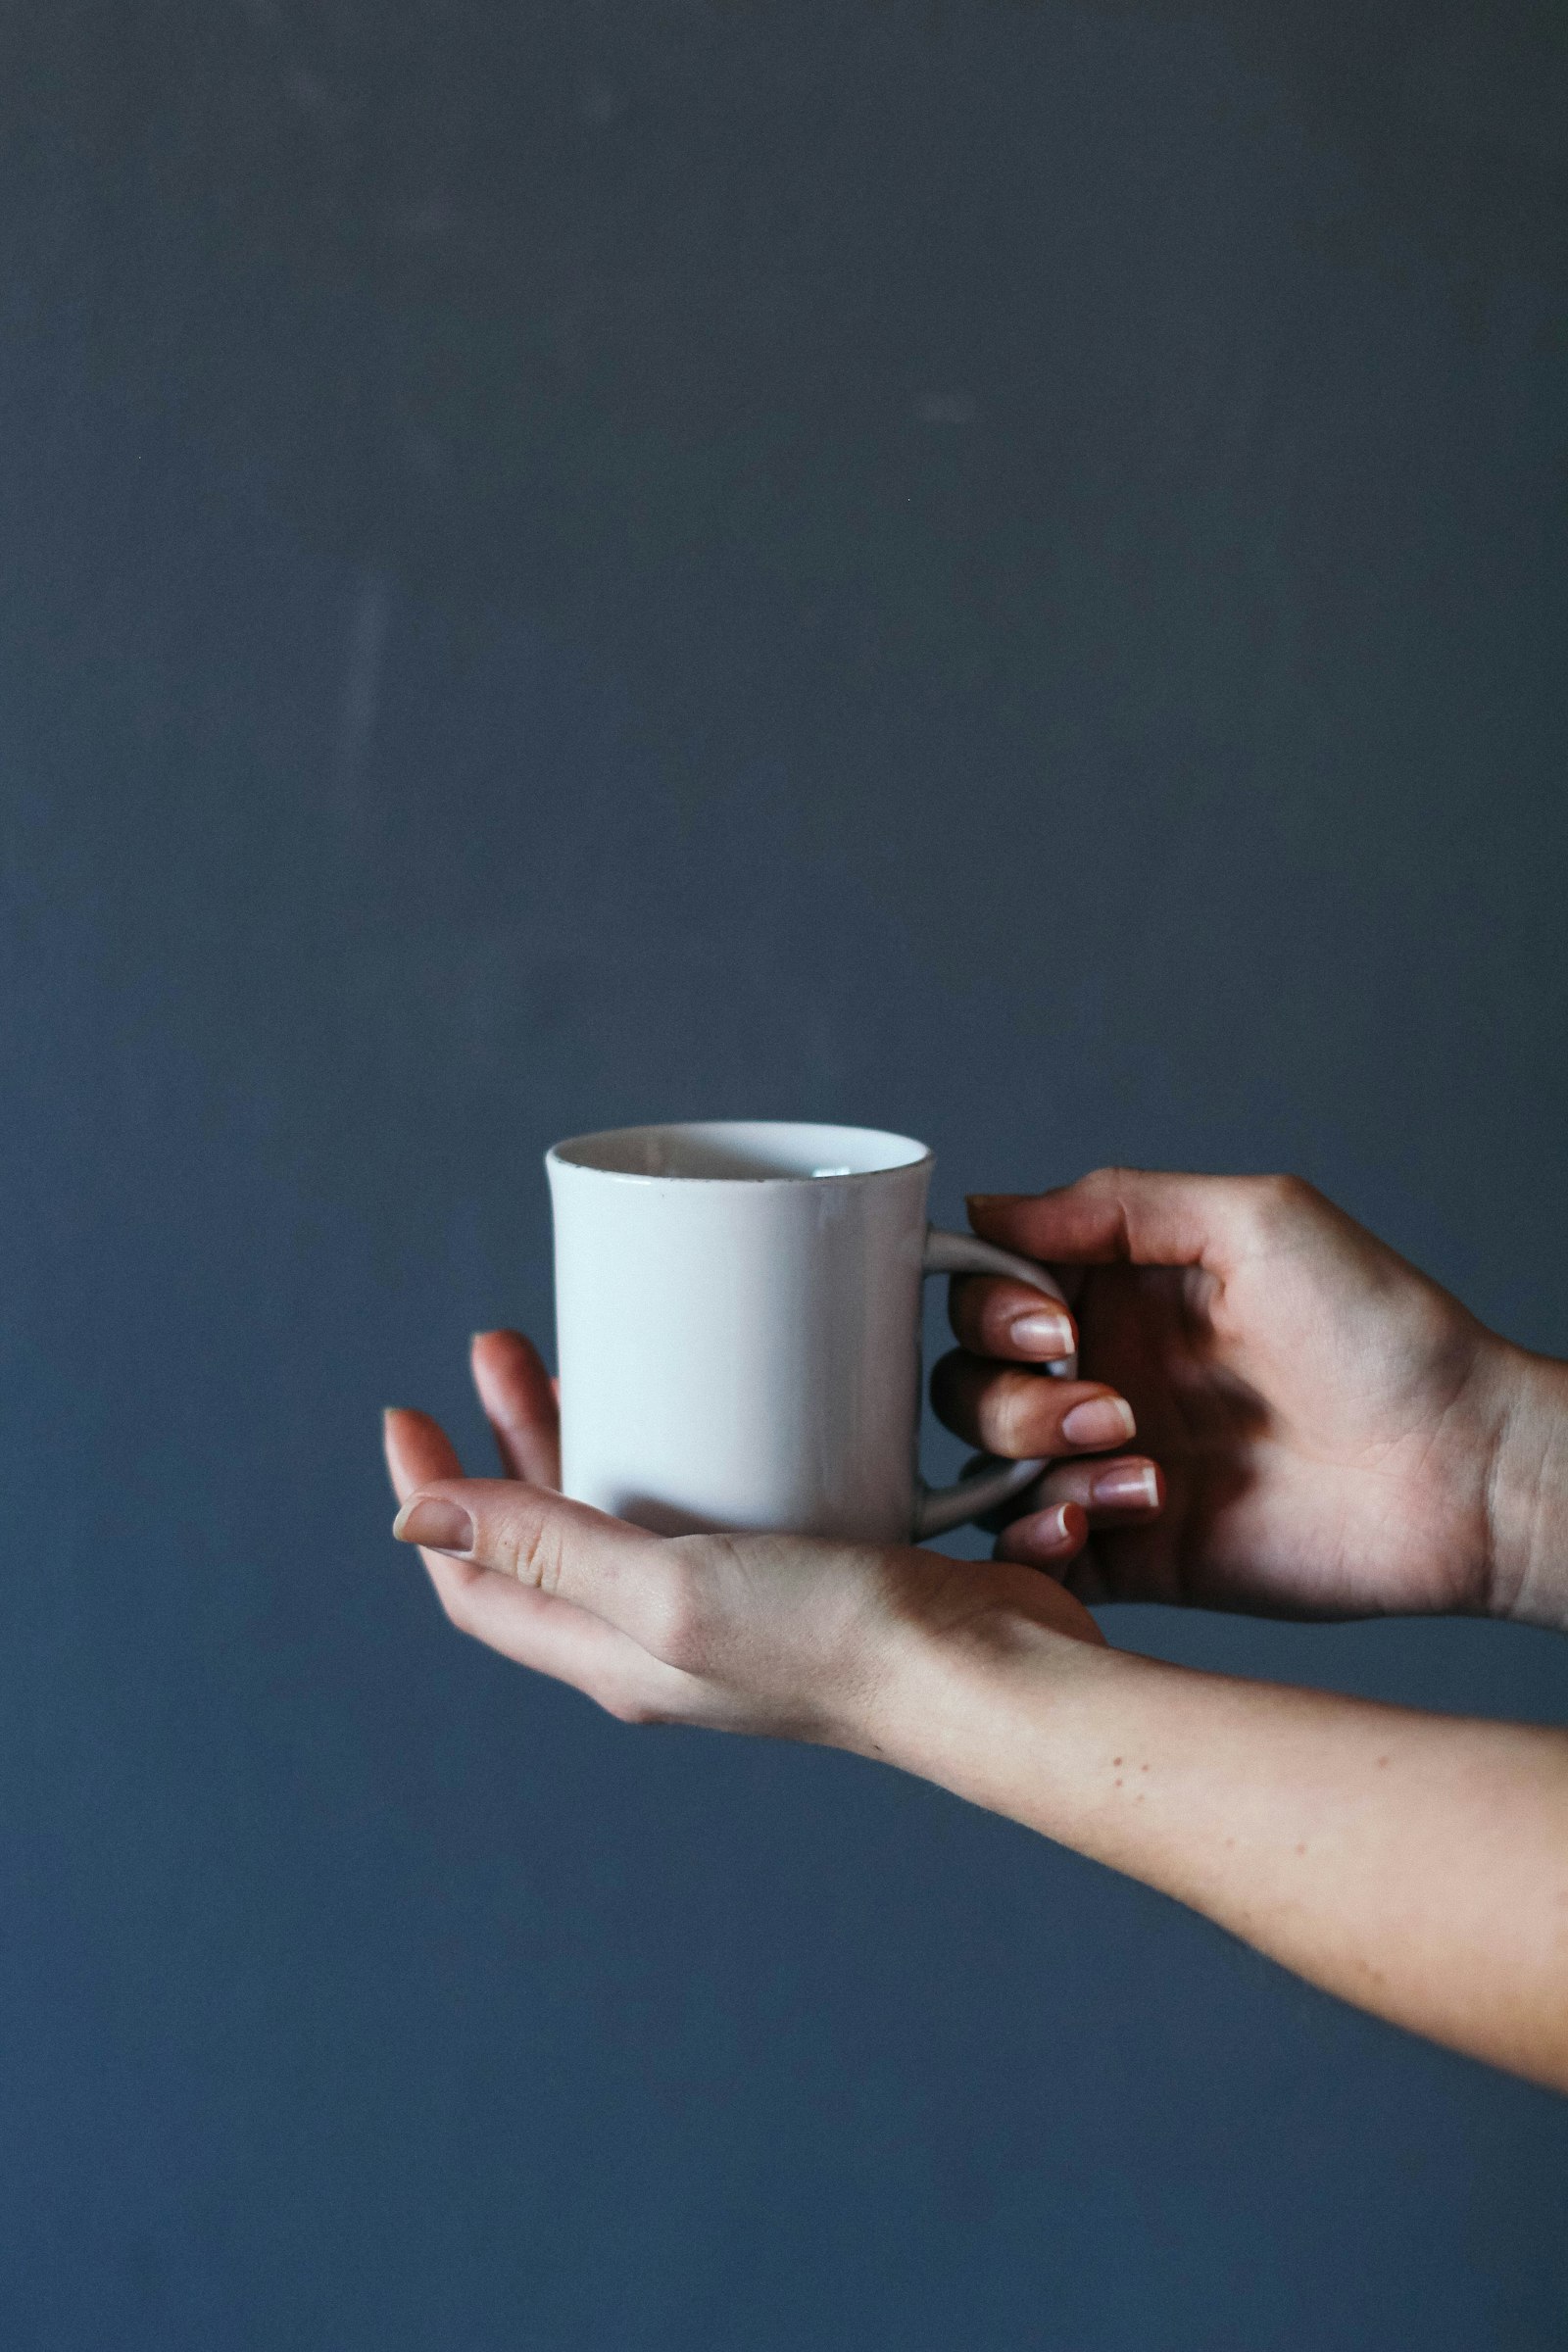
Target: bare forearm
1416	1865
1529	1492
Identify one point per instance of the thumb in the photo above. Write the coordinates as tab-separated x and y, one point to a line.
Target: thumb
638	1582
1142	1217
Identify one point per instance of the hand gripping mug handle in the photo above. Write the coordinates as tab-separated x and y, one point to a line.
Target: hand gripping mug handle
939	1508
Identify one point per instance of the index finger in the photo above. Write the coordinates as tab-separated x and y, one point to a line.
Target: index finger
993	1314
520	1402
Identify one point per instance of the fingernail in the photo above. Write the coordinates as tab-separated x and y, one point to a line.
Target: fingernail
1047	1532
1042	1332
1128	1485
439	1526
1099	1421
990	1199
1054	1528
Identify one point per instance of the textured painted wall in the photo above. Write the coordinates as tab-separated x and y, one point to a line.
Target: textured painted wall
992	571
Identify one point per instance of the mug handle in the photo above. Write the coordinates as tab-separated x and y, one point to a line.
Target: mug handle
939	1508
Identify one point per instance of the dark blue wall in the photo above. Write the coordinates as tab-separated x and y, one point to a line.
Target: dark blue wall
994	571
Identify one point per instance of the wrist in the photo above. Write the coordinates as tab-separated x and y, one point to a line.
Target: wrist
974	1697
1527	1492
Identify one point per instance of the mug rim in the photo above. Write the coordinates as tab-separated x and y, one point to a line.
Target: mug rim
912	1154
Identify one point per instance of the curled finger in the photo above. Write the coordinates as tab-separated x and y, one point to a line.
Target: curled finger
1128	1491
994	1315
1016	1413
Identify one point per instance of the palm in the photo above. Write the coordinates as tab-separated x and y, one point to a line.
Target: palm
760	1634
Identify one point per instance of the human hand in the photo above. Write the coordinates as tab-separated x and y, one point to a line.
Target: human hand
1340	1437
1406	1861
773	1634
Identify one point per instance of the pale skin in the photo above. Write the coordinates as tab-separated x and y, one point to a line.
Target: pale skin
1334	1437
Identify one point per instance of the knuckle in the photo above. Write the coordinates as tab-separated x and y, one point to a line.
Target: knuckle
535	1553
1277	1200
682	1630
1113	1189
1113	1180
1008	1414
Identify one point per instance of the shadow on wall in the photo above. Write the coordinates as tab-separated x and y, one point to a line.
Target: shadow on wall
674	321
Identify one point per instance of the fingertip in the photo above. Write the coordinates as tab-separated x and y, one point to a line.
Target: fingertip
1044	1335
507	1337
485	1344
988	1209
393	1417
507	1364
435	1524
998	1315
1101	1419
1046	1539
416	1448
1133	1484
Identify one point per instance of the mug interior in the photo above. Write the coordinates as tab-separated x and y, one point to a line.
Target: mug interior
754	1150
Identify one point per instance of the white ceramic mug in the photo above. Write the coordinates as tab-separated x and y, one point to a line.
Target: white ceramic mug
738	1325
